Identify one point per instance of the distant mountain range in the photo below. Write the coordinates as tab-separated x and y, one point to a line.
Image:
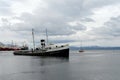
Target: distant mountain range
1	44
95	48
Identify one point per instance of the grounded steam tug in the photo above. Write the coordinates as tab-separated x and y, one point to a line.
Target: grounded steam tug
46	50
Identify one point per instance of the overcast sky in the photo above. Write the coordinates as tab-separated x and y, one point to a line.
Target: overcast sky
94	22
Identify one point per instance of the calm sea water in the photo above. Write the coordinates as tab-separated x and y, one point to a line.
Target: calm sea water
90	65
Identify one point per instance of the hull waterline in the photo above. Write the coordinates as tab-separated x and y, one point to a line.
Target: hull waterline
58	53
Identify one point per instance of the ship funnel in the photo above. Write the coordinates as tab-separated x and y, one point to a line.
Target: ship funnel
43	43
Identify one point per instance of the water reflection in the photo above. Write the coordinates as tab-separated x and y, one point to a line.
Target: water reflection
44	61
91	65
27	67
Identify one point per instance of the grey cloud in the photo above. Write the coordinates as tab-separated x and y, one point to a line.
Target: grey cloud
78	8
98	3
55	17
70	8
87	20
4	20
3	3
56	24
5	9
62	41
78	27
110	28
57	14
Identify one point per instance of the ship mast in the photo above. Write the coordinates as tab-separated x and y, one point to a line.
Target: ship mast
46	37
81	45
33	39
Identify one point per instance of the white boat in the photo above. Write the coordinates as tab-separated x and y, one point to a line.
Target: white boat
46	50
81	48
51	50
